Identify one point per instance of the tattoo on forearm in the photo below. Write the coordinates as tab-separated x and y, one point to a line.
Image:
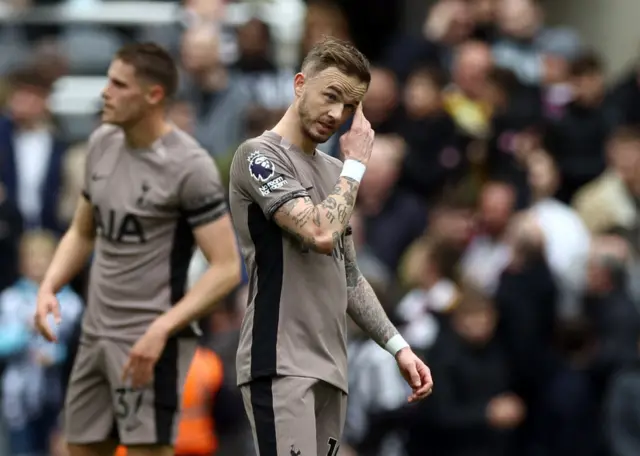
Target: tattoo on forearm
335	211
363	306
367	312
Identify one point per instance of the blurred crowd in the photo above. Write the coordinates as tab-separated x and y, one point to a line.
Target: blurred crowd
498	221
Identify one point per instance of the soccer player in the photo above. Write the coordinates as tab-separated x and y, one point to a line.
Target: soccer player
291	206
151	193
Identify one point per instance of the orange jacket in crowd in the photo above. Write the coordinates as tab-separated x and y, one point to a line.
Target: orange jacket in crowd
196	431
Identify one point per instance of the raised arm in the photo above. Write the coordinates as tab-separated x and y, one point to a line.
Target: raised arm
319	226
267	178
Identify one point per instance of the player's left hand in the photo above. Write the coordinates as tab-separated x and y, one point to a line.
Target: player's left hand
416	373
144	355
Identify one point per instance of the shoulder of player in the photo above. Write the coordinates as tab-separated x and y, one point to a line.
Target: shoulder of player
181	148
254	147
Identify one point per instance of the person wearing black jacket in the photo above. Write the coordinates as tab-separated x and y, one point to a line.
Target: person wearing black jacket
475	411
10	232
577	139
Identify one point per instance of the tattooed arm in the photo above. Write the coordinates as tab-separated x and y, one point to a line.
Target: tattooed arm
318	227
363	306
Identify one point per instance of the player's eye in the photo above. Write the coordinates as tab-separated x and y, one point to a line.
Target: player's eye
331	97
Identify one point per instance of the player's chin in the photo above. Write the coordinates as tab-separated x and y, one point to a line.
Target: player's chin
320	136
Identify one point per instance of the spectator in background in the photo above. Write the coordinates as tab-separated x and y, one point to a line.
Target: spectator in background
623	411
514	130
220	100
535	53
611	310
476	411
190	14
382	101
463	99
488	253
31	153
270	86
484	13
435	160
607	202
392	218
197	434
526	300
10	232
32	381
625	97
72	182
567	241
448	24
451	226
436	294
323	18
577	139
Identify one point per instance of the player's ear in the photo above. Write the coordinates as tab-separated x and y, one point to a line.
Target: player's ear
155	94
298	84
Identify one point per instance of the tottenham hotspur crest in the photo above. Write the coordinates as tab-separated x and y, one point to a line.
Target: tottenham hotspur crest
260	167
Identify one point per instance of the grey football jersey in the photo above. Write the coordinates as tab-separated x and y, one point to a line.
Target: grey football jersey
146	204
296	321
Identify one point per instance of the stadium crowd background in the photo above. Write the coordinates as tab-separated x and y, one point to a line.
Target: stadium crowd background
498	219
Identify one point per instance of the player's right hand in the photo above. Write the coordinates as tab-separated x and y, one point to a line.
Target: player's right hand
47	305
357	143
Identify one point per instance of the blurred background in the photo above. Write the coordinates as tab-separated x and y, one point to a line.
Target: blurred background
499	219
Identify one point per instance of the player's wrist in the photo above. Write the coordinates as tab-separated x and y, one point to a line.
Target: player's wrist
46	289
396	344
163	325
353	169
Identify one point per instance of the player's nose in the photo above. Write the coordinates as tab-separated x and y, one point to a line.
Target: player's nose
336	111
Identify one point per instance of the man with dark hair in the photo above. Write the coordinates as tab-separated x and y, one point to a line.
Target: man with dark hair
31	150
291	206
150	192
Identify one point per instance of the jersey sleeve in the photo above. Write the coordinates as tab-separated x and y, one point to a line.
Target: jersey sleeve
265	178
202	196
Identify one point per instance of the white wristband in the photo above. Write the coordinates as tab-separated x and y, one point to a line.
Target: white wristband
395	344
353	169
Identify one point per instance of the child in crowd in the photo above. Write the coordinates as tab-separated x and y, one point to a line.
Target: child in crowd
32	387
